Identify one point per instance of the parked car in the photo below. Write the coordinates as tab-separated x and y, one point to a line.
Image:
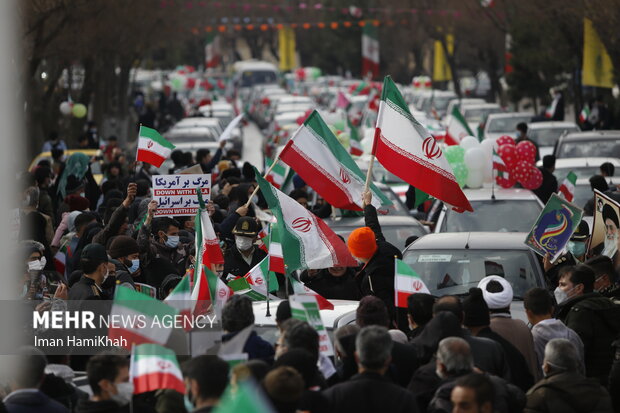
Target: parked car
453	262
475	115
589	144
582	167
499	210
500	124
546	134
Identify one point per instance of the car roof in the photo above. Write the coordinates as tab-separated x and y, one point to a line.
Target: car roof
472	240
591	135
480	106
254	65
564	163
509	115
551	125
384	220
483	194
329	317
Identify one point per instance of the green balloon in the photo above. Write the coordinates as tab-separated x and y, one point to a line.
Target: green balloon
454	154
176	83
339	125
79	110
460	173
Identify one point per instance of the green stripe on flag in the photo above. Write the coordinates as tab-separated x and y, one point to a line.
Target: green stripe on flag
148	350
390	92
155	136
141	303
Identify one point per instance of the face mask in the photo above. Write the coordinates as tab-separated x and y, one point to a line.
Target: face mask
172	241
124	393
135	265
243	243
577	248
37	265
255	199
82	194
187	401
561	295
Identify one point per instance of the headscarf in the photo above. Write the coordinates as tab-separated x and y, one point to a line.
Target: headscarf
77	165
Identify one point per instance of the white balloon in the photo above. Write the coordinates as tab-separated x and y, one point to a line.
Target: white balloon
488	145
475	159
469	142
474	178
487	172
66	108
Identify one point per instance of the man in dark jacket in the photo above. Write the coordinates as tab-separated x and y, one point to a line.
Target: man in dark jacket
207	377
25	396
370	390
454	360
243	255
94	263
594	317
369	246
550	183
564	388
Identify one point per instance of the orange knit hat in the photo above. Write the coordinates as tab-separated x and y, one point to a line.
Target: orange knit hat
362	243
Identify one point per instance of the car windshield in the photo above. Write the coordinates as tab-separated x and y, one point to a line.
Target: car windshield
478	115
507	124
590	148
548	137
257	77
395	235
499	215
453	272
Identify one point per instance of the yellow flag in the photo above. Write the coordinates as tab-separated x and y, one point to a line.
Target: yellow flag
286	38
597	69
441	68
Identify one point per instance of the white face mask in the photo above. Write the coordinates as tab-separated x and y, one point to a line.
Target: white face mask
243	243
124	393
561	295
172	241
37	265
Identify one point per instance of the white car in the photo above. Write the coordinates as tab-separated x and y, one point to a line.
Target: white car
498	210
475	115
589	144
459	103
582	167
435	102
546	134
500	124
197	122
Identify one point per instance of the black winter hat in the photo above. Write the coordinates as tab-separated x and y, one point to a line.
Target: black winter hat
476	309
122	246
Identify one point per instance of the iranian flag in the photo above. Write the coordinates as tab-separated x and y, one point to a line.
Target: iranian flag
355	143
217	289
257	276
181	297
405	148
325	165
567	189
550	111
406	282
307	242
134	313
207	244
212	50
247	398
342	101
276	260
152	147
300	288
153	367
457	127
277	175
370	51
499	167
584	114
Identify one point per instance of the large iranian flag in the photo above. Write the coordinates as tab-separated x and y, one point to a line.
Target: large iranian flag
153	367
406	282
132	316
152	147
457	127
257	276
370	51
326	166
405	148
567	189
307	242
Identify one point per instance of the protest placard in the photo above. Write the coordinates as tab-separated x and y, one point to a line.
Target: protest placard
176	194
305	307
554	227
605	228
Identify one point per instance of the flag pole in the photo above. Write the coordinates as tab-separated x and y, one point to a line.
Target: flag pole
374	147
273	164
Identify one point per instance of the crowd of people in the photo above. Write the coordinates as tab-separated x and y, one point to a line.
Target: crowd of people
79	239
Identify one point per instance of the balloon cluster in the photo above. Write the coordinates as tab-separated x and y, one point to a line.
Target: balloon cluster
468	161
69	108
520	161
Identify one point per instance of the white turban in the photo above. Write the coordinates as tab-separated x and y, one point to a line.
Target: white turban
499	299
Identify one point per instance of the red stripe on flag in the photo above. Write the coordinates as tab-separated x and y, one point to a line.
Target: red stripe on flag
451	140
212	254
369	66
567	195
311	172
340	253
276	264
155	381
149	157
401	299
425	179
131	337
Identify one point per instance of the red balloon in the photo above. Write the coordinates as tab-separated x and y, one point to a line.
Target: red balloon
523	171
535	180
505	182
526	151
190	83
505	140
508	153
